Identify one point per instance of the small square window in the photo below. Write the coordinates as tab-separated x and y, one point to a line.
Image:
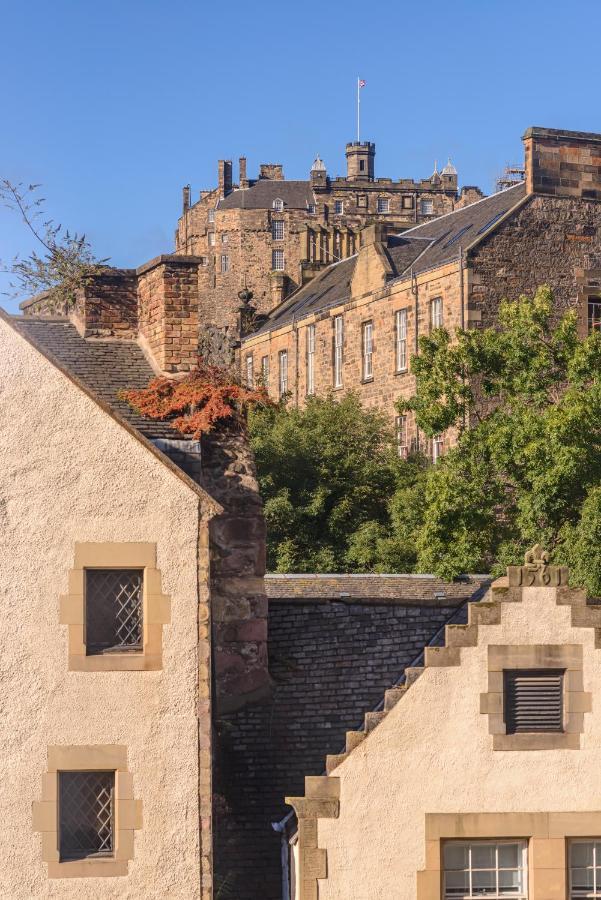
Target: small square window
338	207
86	814
311	208
113	610
362	201
533	700
383	205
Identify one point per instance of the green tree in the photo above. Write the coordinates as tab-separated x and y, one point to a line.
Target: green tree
329	476
525	402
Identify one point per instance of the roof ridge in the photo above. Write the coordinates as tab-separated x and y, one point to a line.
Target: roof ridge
113	414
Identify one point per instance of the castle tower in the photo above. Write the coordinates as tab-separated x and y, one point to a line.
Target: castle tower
360	156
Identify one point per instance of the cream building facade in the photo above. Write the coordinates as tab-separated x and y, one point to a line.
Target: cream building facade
479	776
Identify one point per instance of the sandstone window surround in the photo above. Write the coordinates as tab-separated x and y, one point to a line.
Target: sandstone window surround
156	607
339	207
576	702
383	205
310	360
367	347
400	423
283	373
407	201
46	812
400	321
548	836
426	207
338	349
436	313
362	201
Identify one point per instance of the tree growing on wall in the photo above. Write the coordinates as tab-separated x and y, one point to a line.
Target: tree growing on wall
198	402
525	400
63	263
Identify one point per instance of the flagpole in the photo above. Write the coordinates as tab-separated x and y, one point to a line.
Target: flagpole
358	106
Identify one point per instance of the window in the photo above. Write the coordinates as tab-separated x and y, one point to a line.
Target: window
436	313
250	379
225	264
265	370
338	207
585	869
310	360
312	246
338	350
283	359
211	216
277	229
407	201
277	260
594	315
86	814
204	261
113	610
337	245
362	165
278	204
400	424
224	238
437	447
311	208
383	205
426	207
211	238
362	201
401	340
533	700
368	350
491	869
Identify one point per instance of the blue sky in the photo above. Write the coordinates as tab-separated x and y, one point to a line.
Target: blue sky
113	106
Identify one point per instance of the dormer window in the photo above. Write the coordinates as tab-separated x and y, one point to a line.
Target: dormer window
278	204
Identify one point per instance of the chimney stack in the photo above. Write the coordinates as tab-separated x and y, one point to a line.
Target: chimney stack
224	177
186	198
243	179
563	163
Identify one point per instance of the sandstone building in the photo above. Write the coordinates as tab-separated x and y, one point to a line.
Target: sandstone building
356	325
271	235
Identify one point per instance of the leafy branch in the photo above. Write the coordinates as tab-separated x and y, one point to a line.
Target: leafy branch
62	266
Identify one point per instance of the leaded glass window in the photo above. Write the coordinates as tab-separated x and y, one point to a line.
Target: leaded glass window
113	610
86	814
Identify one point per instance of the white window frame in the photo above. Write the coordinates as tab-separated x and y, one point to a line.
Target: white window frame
278	204
400	426
436	319
277	229
455	894
265	370
211	238
225	263
277	261
426	207
594	314
211	216
283	372
367	350
595	892
401	340
338	207
437	447
224	238
311	209
310	360
338	349
250	375
383	205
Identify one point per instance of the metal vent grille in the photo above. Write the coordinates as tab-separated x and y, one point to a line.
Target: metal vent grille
113	610
86	814
533	700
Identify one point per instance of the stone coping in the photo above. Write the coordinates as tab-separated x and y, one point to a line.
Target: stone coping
415	590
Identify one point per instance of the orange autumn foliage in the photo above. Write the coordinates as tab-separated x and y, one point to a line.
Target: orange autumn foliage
195	404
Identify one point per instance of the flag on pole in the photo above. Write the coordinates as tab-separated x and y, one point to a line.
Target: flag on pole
361	83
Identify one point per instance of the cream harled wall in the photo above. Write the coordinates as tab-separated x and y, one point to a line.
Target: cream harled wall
71	473
433	754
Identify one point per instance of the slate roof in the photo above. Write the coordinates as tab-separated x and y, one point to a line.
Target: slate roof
104	366
331	660
261	194
421	248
